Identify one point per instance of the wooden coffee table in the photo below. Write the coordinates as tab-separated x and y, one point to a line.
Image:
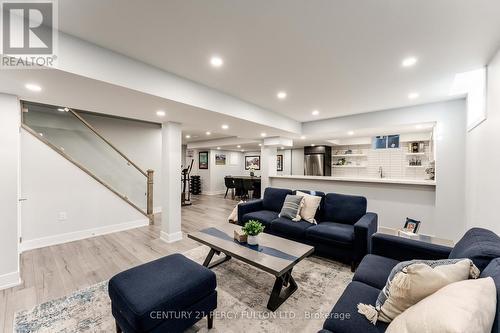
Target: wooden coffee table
274	255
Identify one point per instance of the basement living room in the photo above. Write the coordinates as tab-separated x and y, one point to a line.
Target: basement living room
250	166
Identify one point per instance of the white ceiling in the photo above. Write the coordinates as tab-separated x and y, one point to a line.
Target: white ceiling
69	90
340	57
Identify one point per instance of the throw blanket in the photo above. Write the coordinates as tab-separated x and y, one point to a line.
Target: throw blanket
233	217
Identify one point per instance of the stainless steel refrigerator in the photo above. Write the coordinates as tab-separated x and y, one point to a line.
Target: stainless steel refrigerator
317	161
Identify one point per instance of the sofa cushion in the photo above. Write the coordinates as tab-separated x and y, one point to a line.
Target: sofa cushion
263	216
293	229
479	245
331	232
274	198
171	283
343	208
493	271
374	270
317	216
356	292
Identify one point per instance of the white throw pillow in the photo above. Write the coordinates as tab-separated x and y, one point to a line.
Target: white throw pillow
464	306
412	281
310	206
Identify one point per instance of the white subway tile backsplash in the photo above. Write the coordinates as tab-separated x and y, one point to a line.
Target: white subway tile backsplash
394	162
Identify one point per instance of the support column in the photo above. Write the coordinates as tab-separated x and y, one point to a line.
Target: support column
171	182
267	166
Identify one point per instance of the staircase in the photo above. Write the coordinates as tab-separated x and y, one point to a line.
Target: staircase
69	134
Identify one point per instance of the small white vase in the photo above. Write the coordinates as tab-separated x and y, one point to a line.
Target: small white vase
253	240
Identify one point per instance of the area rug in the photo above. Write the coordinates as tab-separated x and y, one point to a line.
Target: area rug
243	292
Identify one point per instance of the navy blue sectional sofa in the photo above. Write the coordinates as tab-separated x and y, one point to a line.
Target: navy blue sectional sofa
480	245
343	231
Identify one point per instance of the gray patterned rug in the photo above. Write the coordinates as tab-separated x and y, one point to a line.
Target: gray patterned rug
243	292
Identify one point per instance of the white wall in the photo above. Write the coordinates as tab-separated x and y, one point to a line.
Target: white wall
448	219
9	180
53	185
298	162
483	160
233	165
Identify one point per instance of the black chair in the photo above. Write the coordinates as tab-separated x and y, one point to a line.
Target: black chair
229	181
247	187
238	187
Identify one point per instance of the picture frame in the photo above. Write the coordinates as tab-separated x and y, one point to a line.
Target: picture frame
203	160
411	225
255	160
279	163
220	159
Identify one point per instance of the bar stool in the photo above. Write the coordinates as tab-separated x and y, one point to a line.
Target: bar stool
229	182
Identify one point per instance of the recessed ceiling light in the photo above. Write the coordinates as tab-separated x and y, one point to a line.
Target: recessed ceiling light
238	146
216	61
208	132
41	134
282	148
225	126
218	148
61	110
413	95
409	62
188	136
32	87
263	134
315	112
160	113
350	133
260	144
312	145
303	137
242	150
281	95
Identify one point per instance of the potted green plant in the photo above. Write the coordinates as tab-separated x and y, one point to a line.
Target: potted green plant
252	229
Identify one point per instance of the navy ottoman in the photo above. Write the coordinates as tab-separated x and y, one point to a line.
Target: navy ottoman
166	295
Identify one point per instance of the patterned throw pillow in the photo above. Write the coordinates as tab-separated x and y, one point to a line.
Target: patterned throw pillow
291	207
412	281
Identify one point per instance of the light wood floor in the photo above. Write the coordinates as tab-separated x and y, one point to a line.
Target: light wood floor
55	271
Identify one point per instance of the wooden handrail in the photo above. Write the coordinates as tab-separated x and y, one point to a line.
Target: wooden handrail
109	143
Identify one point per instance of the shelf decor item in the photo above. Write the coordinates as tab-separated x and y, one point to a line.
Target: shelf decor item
240	238
252	229
411	225
431	170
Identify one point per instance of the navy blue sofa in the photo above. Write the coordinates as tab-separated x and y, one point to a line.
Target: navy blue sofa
343	231
480	245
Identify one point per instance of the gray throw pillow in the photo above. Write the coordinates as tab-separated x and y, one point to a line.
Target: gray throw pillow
291	207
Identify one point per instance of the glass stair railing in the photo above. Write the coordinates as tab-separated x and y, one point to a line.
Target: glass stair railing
67	132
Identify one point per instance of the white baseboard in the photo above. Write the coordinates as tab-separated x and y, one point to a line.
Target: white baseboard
10	280
170	238
77	235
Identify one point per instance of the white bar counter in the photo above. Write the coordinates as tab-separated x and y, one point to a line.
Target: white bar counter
392	199
421	182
